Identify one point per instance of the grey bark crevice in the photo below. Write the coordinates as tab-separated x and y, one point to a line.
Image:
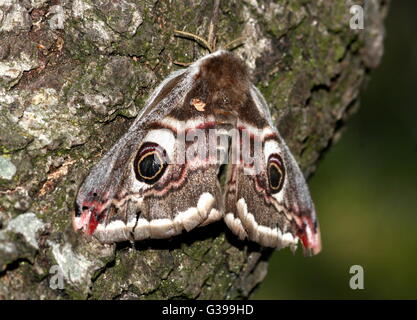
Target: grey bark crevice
74	74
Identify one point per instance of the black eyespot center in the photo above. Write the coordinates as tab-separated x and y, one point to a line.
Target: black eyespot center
276	173
150	163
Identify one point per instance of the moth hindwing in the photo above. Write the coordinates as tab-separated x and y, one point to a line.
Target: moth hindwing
162	177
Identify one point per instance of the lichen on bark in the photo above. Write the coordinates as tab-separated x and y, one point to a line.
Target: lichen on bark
73	75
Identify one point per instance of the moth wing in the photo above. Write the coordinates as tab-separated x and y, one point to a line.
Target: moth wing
275	214
114	206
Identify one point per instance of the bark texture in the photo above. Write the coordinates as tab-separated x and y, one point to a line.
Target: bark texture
73	75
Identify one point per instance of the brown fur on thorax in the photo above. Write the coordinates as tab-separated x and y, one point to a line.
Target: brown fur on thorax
226	78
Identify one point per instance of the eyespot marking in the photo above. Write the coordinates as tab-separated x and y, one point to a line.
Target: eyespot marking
150	163
276	173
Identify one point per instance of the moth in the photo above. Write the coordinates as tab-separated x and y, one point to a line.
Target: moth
169	173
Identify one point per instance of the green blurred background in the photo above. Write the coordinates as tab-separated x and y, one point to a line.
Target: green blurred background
365	189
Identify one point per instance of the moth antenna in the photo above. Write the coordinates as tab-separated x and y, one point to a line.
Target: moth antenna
195	37
235	43
183	64
210	43
213	26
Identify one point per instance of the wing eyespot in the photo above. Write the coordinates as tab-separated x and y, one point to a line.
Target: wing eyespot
150	163
276	173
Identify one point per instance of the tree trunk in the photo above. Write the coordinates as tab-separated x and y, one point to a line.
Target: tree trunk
74	74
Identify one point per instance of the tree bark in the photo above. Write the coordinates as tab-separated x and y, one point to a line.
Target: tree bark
74	74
